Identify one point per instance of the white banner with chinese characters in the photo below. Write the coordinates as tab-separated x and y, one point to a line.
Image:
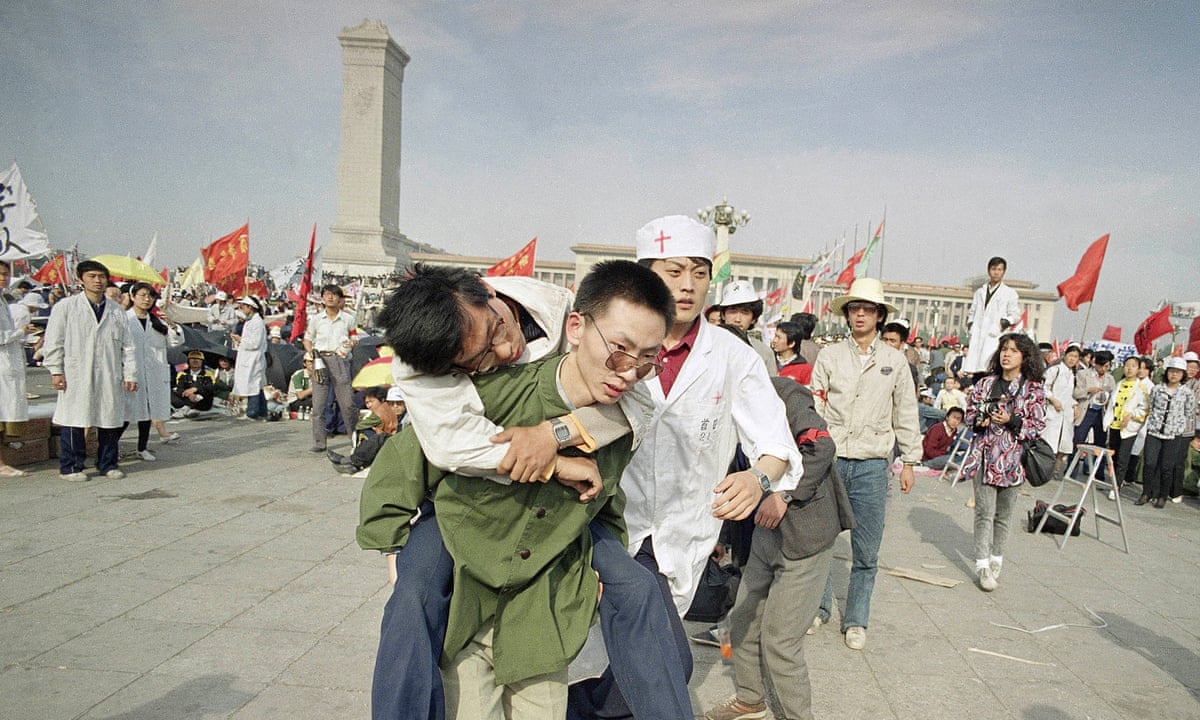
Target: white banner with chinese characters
18	212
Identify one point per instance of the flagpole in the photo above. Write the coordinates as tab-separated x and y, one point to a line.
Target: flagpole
1087	316
882	235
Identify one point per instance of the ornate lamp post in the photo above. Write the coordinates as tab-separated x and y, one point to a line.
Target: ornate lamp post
725	219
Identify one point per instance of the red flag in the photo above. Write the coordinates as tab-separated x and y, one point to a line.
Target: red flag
1194	336
1112	332
1081	287
1151	329
912	334
846	277
166	276
826	309
300	320
226	260
808	306
53	272
519	264
257	287
774	297
1023	323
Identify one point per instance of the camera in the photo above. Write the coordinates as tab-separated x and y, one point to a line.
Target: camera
987	407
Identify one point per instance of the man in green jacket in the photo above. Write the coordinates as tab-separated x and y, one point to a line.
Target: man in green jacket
524	591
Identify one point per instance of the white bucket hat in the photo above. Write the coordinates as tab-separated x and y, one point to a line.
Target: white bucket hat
739	292
864	289
1190	356
675	236
1176	363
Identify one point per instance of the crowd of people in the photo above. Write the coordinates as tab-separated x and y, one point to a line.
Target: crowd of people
539	458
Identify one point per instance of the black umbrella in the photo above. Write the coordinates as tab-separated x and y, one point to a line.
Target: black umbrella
214	345
364	352
283	359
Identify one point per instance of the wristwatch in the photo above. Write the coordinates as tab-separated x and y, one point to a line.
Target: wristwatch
562	433
763	480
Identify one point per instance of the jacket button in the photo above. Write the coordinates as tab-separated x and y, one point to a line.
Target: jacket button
524	554
541	513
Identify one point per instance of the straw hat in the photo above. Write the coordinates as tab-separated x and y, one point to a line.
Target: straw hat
865	290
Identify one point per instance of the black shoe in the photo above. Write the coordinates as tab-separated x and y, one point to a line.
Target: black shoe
1142	500
347	468
335	457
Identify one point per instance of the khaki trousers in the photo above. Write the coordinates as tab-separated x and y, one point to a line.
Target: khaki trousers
472	692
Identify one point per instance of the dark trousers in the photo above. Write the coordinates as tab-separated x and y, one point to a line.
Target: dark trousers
1122	449
256	405
143	427
365	451
633	616
72	449
1093	424
178	401
1163	475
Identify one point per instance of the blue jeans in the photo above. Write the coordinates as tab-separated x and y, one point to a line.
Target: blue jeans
634	617
866	482
650	661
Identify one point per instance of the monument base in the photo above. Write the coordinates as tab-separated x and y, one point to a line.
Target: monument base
362	251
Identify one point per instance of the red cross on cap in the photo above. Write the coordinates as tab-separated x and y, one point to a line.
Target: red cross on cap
662	241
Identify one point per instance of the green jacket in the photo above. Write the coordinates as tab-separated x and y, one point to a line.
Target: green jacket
522	552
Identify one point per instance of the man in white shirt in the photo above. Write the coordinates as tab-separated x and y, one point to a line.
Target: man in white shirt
330	336
222	315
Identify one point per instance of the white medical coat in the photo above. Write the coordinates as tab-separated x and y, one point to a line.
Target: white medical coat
95	358
250	371
721	396
985	324
1059	432
152	401
13	405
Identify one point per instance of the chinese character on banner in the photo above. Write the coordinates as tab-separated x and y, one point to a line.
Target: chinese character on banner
226	260
53	272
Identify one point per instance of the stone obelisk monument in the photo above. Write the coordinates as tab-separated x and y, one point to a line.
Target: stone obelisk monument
366	238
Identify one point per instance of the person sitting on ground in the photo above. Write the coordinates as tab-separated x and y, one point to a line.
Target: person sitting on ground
951	395
939	438
223	378
386	418
926	412
194	388
300	387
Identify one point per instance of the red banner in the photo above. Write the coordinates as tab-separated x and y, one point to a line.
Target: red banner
300	319
846	277
226	260
1112	332
519	264
53	272
1152	328
1081	287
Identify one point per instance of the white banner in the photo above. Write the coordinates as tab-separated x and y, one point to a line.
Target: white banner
17	212
288	274
1185	310
151	251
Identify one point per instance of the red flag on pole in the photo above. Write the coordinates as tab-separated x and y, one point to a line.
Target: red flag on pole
1081	287
912	334
1194	336
1151	329
300	320
808	306
53	272
1112	332
519	264
226	260
826	309
774	297
846	277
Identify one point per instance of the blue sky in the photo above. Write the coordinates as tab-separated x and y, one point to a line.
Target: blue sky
1020	129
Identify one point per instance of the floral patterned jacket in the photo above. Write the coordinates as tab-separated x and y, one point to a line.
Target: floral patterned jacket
997	448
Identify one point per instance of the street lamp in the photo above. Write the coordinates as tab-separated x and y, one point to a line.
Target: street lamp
723	216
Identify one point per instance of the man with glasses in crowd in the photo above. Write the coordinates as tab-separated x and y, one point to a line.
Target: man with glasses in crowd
330	337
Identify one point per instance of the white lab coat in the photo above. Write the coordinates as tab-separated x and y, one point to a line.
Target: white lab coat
985	324
250	371
1059	432
95	358
152	401
13	405
721	396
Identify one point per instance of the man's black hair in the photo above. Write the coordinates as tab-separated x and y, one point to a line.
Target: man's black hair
1102	357
335	289
807	323
621	279
791	332
879	324
898	328
6	264
423	317
91	266
997	260
955	409
379	392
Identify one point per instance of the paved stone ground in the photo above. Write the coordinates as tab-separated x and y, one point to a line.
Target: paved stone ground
223	581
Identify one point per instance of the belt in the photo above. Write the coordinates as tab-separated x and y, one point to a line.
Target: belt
322	353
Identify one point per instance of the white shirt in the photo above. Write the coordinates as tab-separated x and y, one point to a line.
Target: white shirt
329	334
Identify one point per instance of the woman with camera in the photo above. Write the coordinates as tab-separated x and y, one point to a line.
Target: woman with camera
1006	407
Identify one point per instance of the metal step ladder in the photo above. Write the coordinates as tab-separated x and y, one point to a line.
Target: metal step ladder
958	456
1092	459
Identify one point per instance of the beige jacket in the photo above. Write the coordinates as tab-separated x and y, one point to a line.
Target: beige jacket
869	406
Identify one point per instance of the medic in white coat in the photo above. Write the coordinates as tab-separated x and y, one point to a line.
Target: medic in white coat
994	310
152	401
250	371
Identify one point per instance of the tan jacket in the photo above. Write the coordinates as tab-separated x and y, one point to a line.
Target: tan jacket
869	406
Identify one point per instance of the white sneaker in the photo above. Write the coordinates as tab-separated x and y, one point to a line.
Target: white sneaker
114	475
169	439
1112	494
995	568
179	413
74	477
856	638
1177	500
987	581
146	455
816	625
